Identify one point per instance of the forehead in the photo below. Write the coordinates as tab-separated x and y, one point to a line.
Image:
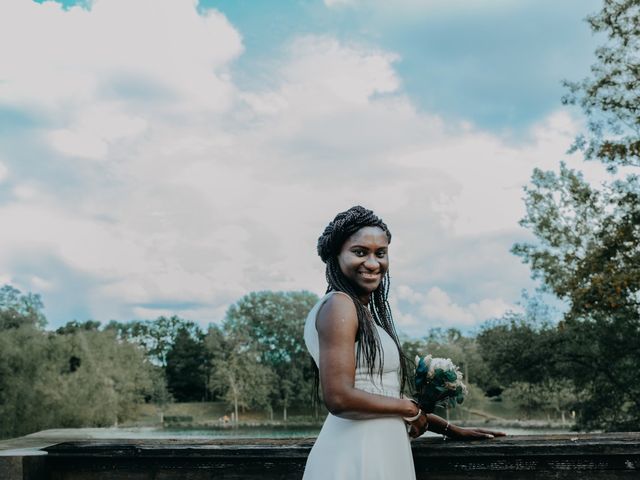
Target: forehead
373	237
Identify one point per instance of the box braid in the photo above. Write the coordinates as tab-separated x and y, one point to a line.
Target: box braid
330	243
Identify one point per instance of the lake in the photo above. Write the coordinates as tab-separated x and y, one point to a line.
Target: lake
242	432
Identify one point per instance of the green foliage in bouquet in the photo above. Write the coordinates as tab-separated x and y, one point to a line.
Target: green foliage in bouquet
438	383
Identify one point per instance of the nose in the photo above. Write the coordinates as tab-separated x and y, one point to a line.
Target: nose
371	263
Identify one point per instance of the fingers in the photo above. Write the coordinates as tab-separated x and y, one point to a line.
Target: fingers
484	433
493	433
478	434
415	431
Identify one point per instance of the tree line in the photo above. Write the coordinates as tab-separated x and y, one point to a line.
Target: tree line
88	374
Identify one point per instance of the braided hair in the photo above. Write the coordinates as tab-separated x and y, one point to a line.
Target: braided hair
330	243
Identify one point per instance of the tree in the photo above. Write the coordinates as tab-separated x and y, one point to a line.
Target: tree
75	326
186	365
550	396
527	353
17	309
610	97
75	379
236	372
155	336
588	238
272	324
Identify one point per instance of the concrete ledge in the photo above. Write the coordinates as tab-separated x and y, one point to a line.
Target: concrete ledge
591	456
22	465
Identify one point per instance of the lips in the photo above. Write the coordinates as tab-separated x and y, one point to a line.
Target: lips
369	276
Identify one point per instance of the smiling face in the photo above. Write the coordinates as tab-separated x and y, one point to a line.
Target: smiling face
364	260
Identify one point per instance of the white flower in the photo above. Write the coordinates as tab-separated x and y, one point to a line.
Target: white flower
450	385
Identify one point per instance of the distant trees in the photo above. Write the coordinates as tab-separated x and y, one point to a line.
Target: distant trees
156	337
18	309
523	352
84	374
267	328
176	346
237	374
78	376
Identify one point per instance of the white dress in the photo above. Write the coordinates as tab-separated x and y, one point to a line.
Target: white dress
373	449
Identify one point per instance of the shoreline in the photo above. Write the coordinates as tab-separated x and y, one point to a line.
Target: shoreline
293	424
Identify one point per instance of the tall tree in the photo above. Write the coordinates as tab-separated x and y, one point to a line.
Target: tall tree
273	324
588	238
186	363
236	372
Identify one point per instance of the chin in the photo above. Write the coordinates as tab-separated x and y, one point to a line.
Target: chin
368	289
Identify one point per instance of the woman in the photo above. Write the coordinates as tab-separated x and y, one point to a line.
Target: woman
352	339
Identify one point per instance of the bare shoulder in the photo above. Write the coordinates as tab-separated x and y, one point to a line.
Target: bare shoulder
337	315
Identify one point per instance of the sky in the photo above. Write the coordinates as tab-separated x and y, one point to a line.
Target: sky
163	157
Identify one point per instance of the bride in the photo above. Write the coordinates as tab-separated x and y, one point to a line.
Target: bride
363	373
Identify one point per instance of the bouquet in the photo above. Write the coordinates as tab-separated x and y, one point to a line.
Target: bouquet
438	383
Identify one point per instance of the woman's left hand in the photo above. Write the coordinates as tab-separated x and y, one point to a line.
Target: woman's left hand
459	433
417	427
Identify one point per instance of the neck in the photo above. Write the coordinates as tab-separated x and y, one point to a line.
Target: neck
364	299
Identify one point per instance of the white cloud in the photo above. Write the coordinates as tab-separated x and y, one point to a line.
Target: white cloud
95	128
438	307
204	192
344	74
336	3
4	172
100	75
163	42
417	312
25	192
404	7
40	284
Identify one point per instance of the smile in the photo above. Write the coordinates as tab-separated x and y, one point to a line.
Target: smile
369	276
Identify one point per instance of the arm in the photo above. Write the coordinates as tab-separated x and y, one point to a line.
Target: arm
440	425
337	325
